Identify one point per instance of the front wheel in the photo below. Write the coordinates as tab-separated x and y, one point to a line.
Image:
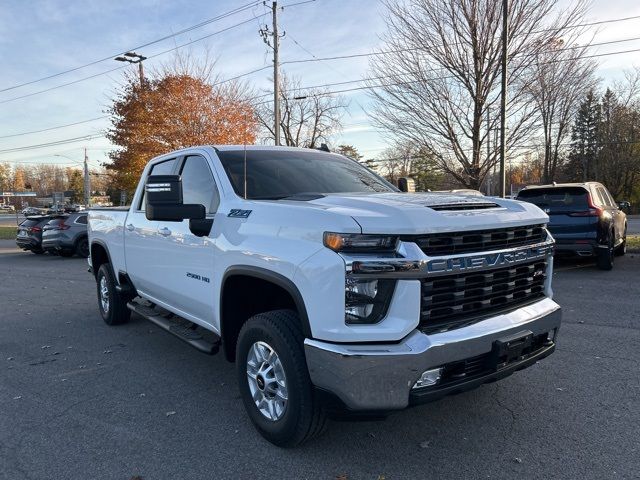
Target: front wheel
274	381
113	307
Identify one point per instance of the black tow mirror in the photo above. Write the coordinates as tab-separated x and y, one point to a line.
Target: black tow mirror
164	200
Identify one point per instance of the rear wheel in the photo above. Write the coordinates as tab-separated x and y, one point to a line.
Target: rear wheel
112	305
273	379
604	260
82	248
622	248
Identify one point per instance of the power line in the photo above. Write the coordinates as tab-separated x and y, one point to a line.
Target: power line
153	42
331	92
65	141
124	66
54	128
401	50
149	57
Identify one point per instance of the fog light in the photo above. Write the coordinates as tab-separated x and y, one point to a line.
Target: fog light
366	301
551	336
429	378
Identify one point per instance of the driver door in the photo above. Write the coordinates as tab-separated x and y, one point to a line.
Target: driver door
188	261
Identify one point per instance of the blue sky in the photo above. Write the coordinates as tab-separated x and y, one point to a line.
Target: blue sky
43	37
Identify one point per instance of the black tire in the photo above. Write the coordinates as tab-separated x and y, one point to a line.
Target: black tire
38	251
116	311
604	259
65	253
82	247
303	417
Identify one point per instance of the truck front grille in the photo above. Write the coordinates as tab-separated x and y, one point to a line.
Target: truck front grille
453	301
478	240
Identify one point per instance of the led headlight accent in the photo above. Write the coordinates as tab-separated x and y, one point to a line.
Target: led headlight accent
355	242
367	300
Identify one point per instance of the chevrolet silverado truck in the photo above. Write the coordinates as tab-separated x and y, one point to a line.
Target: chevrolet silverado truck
330	289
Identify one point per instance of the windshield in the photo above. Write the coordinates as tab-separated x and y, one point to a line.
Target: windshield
276	174
557	198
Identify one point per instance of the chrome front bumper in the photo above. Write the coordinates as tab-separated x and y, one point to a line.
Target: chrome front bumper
381	376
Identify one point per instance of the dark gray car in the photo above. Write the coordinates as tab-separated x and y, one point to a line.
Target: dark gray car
29	233
67	235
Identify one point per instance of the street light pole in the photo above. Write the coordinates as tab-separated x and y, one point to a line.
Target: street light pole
137	59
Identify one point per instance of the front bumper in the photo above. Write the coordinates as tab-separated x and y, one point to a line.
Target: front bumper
370	377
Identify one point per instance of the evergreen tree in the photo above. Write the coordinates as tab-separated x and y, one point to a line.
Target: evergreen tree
585	140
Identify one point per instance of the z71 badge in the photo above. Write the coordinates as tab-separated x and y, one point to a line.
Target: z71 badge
237	213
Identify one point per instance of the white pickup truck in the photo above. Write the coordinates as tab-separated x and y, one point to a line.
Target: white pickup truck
330	289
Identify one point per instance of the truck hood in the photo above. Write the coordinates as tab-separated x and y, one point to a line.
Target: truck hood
410	213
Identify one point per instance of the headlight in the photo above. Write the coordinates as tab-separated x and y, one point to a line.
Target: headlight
355	242
367	300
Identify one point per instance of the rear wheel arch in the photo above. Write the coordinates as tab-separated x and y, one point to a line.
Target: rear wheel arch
247	291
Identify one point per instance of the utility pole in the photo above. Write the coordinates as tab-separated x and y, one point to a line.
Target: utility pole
503	96
265	33
87	181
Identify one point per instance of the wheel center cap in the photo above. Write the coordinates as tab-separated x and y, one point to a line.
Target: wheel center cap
260	382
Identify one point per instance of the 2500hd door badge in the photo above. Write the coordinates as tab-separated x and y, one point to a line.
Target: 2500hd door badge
195	276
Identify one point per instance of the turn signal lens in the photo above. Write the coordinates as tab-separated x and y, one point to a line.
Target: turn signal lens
355	242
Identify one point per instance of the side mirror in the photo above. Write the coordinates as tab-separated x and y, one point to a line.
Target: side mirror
407	184
164	200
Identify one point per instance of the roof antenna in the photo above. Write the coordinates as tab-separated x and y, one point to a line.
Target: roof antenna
245	169
244	140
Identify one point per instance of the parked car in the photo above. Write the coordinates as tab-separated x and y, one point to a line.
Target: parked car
67	235
583	218
31	211
7	208
325	284
73	208
29	234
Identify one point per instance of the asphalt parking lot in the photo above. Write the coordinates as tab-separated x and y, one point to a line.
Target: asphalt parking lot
81	400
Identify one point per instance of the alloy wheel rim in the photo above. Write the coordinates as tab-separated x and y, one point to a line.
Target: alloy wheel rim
267	381
104	295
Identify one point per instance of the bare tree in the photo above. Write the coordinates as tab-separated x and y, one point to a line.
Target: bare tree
559	79
308	117
396	161
437	79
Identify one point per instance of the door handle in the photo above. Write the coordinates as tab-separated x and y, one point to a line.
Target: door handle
164	231
130	227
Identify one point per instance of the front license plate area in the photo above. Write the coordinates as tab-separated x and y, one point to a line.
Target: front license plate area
510	349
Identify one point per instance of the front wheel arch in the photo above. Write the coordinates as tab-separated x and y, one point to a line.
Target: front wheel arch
247	291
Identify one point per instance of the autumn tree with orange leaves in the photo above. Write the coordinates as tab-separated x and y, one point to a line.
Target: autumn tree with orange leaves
175	108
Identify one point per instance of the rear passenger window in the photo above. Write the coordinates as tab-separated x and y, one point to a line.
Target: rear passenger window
604	198
162	168
82	219
198	185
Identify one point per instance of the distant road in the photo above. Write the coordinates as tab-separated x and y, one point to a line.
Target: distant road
9	220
